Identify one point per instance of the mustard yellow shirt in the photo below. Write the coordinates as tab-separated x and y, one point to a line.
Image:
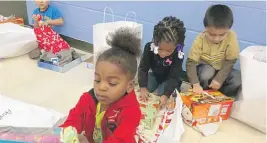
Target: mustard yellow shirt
97	134
203	50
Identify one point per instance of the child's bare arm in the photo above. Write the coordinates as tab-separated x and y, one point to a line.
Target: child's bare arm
55	22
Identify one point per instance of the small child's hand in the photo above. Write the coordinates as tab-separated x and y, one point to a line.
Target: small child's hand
35	17
43	23
163	101
215	85
197	88
144	94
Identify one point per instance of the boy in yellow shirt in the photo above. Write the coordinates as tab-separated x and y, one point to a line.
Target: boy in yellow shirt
213	54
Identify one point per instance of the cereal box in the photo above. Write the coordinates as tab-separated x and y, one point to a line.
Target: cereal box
208	107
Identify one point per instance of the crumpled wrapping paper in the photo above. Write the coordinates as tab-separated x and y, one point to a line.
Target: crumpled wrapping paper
153	125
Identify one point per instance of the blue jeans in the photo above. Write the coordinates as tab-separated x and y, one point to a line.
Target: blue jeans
230	87
154	85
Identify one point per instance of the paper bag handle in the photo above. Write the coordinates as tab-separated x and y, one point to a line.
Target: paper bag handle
130	12
108	8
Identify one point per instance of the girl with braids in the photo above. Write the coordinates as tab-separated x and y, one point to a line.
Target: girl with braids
109	113
161	62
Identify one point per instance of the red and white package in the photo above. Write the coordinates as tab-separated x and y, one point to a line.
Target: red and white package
48	39
162	122
151	136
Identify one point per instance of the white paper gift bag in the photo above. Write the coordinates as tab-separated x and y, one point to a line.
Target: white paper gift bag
173	133
102	30
251	109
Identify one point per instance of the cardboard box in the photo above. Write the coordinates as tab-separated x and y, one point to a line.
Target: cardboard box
16	20
208	108
66	67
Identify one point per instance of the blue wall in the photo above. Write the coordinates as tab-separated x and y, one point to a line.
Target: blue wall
249	22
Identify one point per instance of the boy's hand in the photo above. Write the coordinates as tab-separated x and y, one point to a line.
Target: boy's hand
43	23
215	85
197	88
144	94
163	101
35	17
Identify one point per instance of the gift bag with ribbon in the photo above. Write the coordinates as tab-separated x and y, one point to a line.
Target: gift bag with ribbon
168	125
101	30
48	40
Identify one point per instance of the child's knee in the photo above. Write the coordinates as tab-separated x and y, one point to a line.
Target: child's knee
236	83
236	79
206	73
206	76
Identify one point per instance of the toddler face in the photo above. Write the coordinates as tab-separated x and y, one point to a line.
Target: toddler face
165	49
42	4
111	82
216	35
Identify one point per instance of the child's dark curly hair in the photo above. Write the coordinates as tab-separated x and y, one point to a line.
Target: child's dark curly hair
170	29
124	51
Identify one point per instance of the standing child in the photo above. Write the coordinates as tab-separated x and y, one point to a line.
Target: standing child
161	62
110	113
213	54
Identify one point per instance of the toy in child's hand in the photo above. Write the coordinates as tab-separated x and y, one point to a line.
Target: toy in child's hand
69	135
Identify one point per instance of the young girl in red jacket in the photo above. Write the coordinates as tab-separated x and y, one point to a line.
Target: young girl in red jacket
109	113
